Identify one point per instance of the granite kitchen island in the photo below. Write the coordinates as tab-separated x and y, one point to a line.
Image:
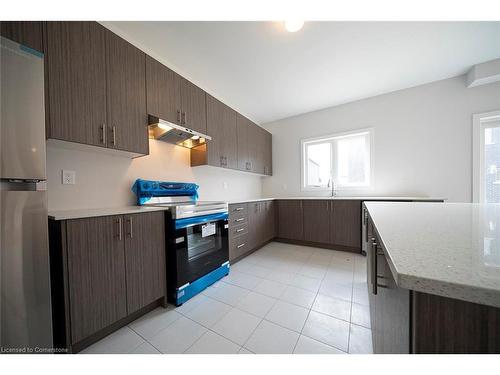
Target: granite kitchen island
434	277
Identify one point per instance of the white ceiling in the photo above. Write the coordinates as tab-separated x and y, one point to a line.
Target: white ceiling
267	73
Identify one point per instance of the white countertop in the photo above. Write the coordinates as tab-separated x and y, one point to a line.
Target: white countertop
450	249
362	198
109	211
106	211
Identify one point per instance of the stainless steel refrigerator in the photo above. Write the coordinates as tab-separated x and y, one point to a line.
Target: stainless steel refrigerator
25	305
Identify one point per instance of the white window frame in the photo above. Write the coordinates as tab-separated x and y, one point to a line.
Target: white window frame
478	153
330	137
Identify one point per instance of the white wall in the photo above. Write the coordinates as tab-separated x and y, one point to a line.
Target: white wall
422	139
104	180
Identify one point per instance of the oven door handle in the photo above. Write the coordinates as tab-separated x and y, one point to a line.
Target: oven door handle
190	221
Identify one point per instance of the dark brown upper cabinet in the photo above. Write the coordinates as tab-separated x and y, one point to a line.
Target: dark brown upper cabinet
76	82
244	147
221	151
95	87
173	98
194	111
268	153
345	223
162	91
254	153
27	33
126	96
317	214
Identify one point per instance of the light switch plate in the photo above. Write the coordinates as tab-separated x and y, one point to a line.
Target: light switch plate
68	177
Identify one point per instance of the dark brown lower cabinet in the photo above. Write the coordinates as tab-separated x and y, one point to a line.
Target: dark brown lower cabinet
345	223
251	225
407	321
103	270
290	220
96	275
317	215
330	223
144	259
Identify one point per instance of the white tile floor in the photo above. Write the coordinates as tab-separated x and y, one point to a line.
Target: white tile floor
280	299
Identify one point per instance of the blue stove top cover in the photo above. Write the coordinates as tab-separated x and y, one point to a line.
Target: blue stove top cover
145	190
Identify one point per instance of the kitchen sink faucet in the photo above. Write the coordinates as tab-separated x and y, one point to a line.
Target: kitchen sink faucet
333	187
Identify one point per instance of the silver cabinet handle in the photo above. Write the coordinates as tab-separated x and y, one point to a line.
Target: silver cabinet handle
240	246
374	267
183	117
240	219
239	208
178	116
130	232
240	230
119	223
113	132
103	134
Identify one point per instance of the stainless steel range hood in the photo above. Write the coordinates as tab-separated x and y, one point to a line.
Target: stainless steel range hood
179	135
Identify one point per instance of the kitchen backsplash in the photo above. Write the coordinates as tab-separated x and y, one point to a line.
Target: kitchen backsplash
104	180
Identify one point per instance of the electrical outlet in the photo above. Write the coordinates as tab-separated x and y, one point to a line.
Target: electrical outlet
68	177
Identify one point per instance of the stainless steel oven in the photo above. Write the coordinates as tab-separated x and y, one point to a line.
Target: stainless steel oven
196	247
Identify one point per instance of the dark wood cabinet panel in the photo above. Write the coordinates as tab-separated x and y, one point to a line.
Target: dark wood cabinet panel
290	219
75	58
193	103
221	126
163	88
317	214
126	96
144	259
345	223
96	274
255	138
270	220
268	153
28	33
243	143
254	225
446	325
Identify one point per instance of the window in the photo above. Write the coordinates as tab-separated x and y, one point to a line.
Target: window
345	158
486	157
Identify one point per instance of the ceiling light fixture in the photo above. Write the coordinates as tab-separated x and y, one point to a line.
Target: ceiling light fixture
293	25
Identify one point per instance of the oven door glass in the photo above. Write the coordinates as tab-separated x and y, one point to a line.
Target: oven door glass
203	239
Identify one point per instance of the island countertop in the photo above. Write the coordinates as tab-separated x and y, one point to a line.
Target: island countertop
450	249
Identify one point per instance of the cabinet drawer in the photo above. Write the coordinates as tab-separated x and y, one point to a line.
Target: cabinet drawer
237	208
238	230
238	246
237	220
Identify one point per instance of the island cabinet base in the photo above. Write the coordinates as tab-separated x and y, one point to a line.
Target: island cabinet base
446	325
405	321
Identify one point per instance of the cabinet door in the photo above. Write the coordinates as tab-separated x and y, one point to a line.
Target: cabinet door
96	274
242	138
163	98
268	153
144	259
290	220
317	220
270	221
221	126
345	224
27	33
76	82
193	103
256	147
126	96
254	226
